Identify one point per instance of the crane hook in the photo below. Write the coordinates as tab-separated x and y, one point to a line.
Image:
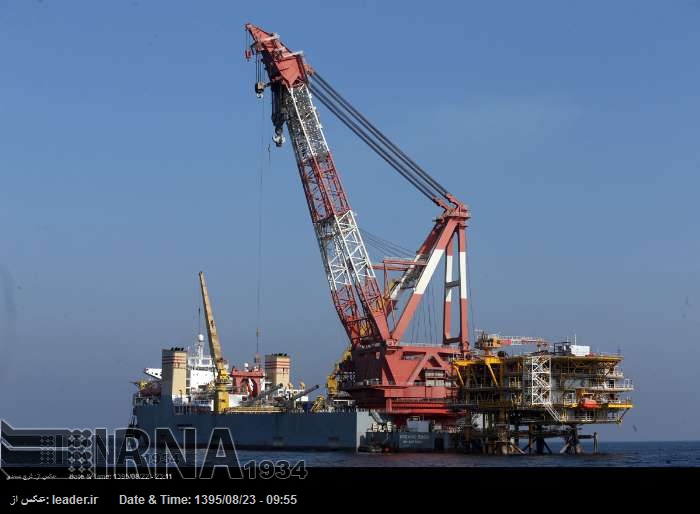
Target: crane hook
278	138
259	89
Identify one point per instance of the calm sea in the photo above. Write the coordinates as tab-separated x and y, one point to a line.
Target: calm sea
660	453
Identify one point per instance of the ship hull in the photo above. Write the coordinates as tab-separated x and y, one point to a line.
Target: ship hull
323	431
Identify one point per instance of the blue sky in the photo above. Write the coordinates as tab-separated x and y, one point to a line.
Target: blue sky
130	154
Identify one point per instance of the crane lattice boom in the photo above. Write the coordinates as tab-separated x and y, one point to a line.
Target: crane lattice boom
351	279
385	372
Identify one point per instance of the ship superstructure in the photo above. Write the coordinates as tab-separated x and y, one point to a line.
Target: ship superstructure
193	386
202	382
259	404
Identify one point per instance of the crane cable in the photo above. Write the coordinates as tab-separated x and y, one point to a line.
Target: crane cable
258	315
385	245
357	130
368	125
397	159
384	147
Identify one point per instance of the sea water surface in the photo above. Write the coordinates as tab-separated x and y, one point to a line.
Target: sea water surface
625	454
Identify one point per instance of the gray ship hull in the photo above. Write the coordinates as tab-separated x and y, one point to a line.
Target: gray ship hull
323	431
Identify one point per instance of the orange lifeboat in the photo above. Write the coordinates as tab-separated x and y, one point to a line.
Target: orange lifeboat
588	403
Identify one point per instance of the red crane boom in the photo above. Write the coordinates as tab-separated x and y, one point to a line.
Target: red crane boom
350	275
383	371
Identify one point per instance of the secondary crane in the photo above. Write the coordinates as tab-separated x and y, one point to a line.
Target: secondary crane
222	380
386	372
487	341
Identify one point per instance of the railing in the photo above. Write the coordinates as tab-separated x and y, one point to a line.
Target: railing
558	372
369	381
421	345
621	401
421	400
625	386
146	400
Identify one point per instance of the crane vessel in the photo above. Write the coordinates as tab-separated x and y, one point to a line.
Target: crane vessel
386	389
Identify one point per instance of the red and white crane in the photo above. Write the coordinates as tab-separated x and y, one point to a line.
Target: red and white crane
384	372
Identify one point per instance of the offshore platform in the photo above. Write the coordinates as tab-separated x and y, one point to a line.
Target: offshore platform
546	393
